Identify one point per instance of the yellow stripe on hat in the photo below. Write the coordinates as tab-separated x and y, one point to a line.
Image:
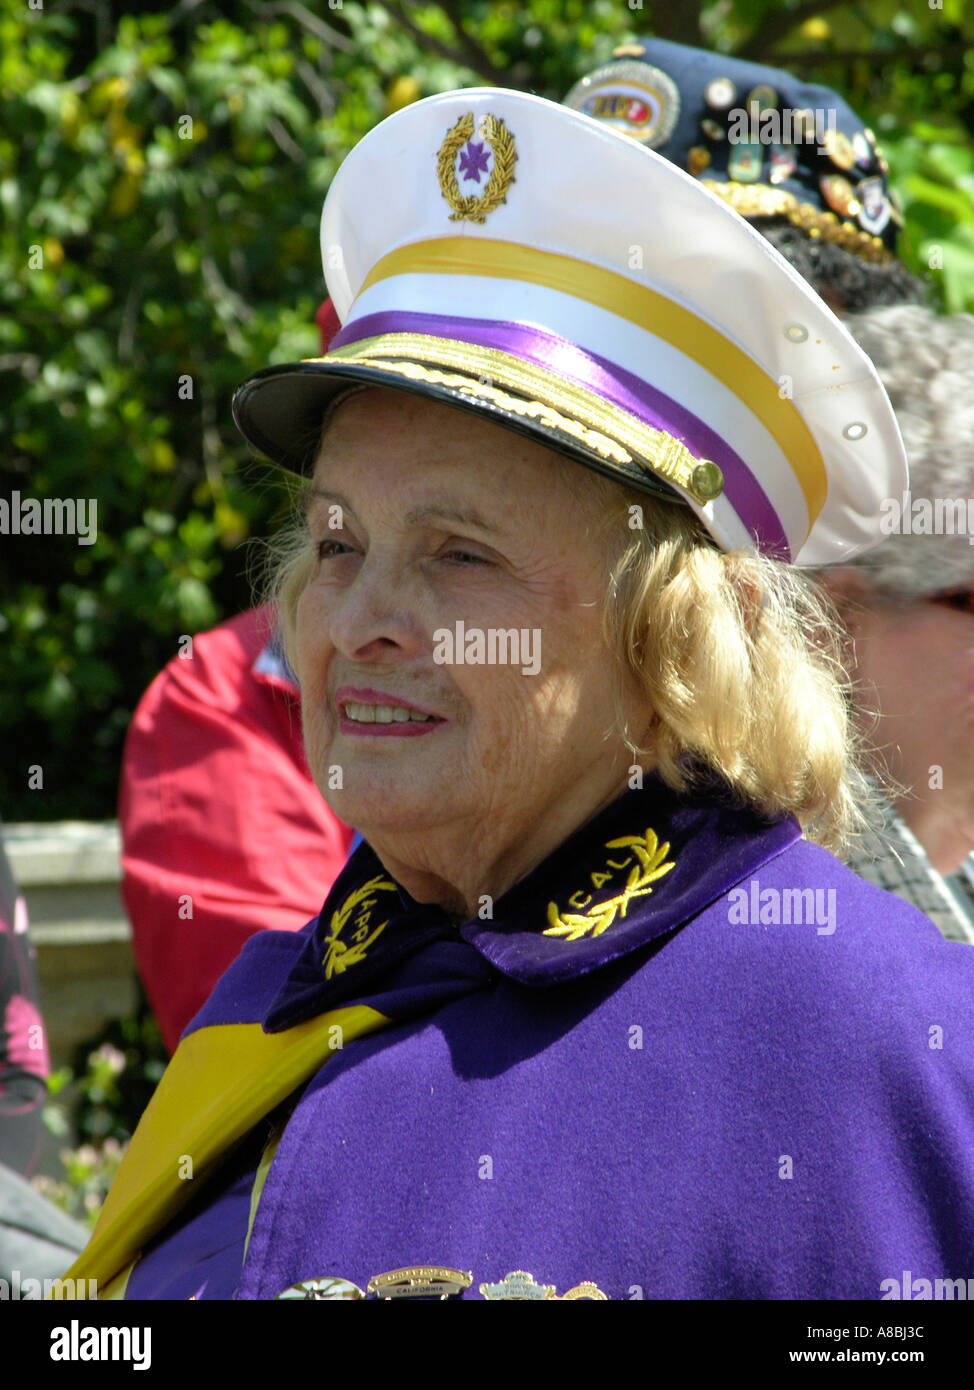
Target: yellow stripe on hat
698	340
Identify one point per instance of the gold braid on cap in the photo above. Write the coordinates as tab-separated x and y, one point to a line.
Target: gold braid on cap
759	200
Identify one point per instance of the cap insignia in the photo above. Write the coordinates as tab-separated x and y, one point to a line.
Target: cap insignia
485	164
357	911
645	864
632	98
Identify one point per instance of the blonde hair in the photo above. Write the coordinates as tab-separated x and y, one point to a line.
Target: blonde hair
739	656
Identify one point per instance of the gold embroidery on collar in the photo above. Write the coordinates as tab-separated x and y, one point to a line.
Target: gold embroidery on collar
340	955
649	855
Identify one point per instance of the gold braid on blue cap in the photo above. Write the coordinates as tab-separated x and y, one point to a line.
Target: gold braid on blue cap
759	200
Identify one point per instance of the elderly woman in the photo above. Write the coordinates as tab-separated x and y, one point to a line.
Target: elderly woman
593	1012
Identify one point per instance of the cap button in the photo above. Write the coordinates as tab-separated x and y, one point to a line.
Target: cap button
706	481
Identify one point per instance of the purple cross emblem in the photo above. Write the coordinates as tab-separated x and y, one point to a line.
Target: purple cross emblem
473	160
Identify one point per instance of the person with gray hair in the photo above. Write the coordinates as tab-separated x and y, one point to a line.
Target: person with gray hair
908	607
827	205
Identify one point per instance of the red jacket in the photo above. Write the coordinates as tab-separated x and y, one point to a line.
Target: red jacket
223	831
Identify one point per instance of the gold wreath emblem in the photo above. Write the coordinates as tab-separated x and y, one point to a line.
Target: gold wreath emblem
501	141
649	867
340	956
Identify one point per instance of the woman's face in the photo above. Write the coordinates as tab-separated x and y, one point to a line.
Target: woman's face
439	538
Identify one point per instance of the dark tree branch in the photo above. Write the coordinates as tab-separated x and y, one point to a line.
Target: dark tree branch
308	21
477	55
906	54
483	65
282	139
318	88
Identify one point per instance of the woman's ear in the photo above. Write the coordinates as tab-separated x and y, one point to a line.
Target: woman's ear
850	589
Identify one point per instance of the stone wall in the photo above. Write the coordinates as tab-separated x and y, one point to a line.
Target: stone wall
69	873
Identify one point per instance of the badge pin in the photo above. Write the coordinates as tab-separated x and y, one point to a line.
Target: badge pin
839	149
863	152
762	96
839	194
698	159
586	1290
720	94
421	1281
878	155
712	129
518	1286
634	98
744	164
322	1290
875	209
782	165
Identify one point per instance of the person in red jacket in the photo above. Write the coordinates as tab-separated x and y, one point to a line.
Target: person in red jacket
223	831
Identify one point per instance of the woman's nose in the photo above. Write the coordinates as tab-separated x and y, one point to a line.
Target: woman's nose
376	613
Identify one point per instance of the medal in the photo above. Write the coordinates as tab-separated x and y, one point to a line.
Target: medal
839	149
322	1290
420	1281
839	194
519	1287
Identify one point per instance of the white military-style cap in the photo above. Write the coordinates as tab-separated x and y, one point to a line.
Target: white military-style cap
508	256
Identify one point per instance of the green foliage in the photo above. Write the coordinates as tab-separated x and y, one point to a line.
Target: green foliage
161	180
100	1099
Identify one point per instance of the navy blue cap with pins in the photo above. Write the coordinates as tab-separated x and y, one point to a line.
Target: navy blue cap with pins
765	142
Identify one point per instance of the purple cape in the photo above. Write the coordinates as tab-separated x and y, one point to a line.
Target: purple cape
689	1056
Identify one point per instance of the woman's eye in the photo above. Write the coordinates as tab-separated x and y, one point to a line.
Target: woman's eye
465	557
329	548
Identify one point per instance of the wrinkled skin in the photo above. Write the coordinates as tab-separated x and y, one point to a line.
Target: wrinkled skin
518	761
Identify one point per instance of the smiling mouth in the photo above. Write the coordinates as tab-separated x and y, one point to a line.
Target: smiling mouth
384	714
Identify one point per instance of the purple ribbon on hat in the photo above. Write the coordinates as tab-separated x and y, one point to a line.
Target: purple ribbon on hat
607	380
